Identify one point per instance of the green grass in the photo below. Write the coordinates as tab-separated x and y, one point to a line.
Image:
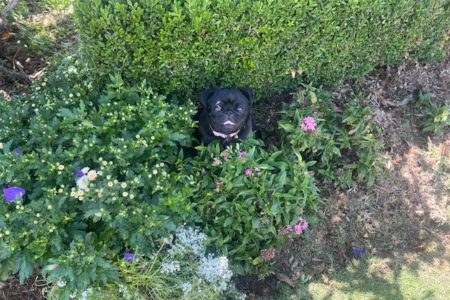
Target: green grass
405	276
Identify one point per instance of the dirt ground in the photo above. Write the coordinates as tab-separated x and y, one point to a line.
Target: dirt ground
27	45
408	207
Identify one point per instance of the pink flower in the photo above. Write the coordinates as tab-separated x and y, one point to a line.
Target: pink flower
267	254
242	153
308	124
248	172
217	161
301	226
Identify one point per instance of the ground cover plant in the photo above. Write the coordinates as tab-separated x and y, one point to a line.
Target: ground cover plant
180	268
342	144
110	190
251	200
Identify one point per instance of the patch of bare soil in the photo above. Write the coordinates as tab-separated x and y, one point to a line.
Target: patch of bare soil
20	64
409	206
31	289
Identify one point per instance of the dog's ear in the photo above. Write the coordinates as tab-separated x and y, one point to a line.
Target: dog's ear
248	93
205	95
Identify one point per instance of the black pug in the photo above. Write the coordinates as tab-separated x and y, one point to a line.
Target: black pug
225	115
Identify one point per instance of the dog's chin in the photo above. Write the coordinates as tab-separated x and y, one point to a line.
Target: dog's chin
226	129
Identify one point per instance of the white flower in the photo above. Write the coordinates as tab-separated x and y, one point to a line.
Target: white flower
169	267
188	239
83	182
186	287
72	69
84	295
215	270
61	283
85	170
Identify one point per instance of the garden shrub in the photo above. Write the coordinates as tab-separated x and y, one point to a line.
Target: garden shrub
246	196
88	173
341	147
184	46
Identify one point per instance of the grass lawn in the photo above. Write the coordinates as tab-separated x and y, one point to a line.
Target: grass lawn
424	274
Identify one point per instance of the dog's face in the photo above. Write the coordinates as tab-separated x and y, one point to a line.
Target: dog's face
228	109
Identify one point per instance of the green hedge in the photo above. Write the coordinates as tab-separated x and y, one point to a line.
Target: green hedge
183	46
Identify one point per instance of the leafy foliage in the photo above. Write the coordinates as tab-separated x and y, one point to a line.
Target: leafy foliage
178	269
129	137
246	194
184	46
435	117
344	147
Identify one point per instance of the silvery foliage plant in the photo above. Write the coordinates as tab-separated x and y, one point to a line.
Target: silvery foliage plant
198	271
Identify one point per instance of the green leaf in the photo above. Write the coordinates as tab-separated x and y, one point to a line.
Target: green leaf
26	268
228	222
255	222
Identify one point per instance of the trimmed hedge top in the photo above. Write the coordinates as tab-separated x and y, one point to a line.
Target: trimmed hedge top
183	46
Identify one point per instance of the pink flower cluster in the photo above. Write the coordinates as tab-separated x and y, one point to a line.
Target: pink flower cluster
298	228
267	254
249	172
308	124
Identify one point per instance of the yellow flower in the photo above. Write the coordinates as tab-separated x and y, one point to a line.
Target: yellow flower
92	174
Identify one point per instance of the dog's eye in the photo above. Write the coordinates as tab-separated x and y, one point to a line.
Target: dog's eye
240	108
217	108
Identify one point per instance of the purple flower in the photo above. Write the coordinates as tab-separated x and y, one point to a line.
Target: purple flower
257	169
308	124
129	257
79	173
18	151
242	154
248	172
13	193
358	251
